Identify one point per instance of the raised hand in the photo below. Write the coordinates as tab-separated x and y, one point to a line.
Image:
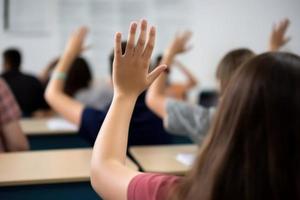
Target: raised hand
130	71
179	43
278	38
75	44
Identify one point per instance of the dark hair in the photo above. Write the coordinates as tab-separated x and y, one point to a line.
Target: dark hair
230	63
158	60
13	58
252	150
79	76
111	56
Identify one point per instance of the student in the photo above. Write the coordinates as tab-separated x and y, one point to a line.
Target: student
11	135
250	153
145	126
179	91
27	89
194	120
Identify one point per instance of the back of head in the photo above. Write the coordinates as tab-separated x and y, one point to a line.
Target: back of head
252	150
111	56
12	59
79	76
230	63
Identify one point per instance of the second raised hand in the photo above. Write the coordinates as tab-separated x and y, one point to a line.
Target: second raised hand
130	70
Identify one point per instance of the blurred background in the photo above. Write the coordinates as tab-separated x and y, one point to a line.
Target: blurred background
39	28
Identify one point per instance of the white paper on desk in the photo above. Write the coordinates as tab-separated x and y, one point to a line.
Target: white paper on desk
186	158
60	124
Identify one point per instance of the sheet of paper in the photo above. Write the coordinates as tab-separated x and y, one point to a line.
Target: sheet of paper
61	124
186	158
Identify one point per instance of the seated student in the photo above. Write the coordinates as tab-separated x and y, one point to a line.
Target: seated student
27	89
194	120
11	135
251	152
145	126
79	84
179	91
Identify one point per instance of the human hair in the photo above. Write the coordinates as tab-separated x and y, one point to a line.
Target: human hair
252	149
79	76
230	63
111	56
12	58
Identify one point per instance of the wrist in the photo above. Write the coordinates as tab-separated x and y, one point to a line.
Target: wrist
125	97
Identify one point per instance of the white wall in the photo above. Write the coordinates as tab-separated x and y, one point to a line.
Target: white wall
218	26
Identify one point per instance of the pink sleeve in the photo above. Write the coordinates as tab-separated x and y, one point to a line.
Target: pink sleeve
149	186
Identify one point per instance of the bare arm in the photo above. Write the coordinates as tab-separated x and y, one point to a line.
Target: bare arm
156	95
192	80
109	175
14	138
278	38
66	106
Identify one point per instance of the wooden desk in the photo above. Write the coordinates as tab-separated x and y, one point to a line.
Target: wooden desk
32	127
162	158
43	167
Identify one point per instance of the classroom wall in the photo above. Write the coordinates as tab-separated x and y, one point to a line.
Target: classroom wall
218	26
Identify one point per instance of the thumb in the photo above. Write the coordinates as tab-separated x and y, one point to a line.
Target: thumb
155	73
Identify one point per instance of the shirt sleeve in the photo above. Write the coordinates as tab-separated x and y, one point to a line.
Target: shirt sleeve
91	121
149	186
187	119
9	109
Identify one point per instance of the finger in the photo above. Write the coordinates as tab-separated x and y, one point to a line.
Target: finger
142	38
285	25
118	48
83	30
187	35
150	43
131	38
155	73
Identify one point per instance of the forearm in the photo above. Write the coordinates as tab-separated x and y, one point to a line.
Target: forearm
156	95
114	131
109	153
55	96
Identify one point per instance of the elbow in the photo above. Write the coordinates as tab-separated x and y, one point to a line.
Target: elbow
94	178
51	96
98	177
48	95
24	146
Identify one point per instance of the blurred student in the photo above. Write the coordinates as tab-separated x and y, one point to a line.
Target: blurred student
145	126
194	120
27	89
251	152
175	90
80	84
11	135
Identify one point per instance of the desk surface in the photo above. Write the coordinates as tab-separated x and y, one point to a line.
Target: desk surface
162	158
43	167
47	126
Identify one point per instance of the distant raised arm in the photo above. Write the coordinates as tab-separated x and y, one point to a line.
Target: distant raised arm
156	95
278	35
192	80
66	106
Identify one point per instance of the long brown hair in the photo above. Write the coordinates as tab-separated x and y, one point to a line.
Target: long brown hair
230	63
253	149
